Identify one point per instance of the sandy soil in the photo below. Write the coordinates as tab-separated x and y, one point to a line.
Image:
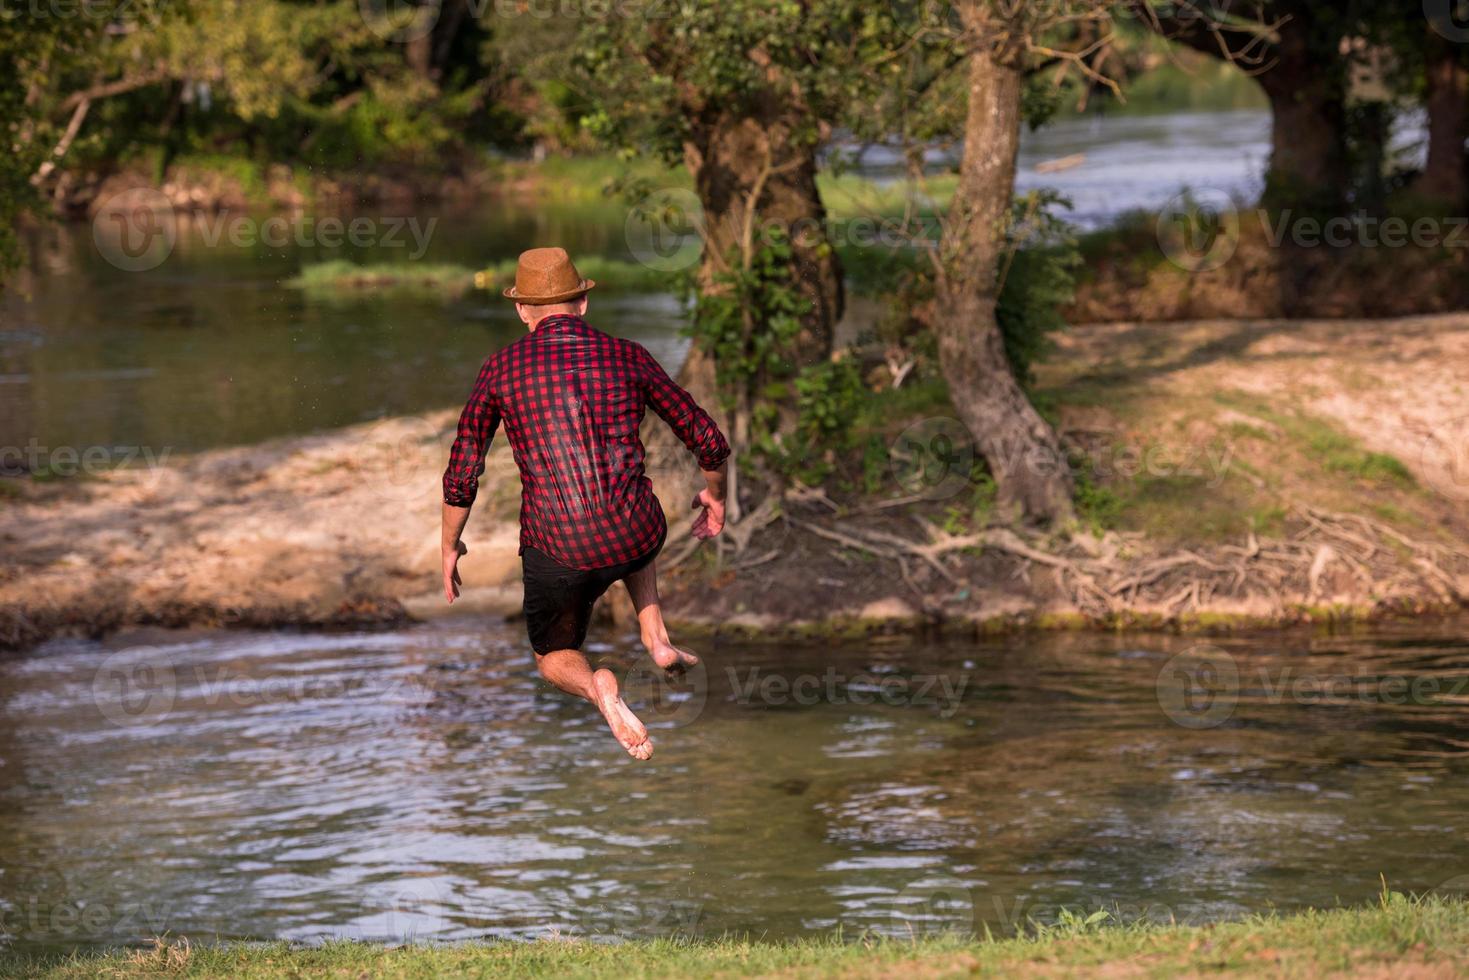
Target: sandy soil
342	528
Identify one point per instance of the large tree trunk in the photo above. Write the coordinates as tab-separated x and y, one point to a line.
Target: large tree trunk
739	162
1023	451
1307	88
1447	103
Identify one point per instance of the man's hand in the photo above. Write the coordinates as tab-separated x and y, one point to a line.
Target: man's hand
711	519
451	570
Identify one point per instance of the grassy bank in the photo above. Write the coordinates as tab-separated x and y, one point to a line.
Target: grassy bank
611	275
1420	937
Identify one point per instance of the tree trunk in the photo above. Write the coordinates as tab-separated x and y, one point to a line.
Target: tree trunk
1447	103
1023	451
1307	90
739	161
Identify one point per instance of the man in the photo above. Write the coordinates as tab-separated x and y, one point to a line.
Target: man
571	399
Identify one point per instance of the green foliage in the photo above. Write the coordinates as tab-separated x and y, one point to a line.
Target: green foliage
1097	507
1038	281
829	398
748	321
651	74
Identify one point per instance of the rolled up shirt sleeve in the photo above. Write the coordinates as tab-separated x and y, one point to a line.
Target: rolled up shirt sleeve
477	425
689	422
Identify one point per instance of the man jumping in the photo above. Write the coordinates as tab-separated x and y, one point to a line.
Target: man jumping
572	399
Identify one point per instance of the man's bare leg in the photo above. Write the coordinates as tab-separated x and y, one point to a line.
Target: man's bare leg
569	670
642	585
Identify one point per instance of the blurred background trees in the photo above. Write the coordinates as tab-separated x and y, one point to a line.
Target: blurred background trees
750	100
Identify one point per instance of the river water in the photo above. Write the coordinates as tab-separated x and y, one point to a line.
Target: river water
211	348
424	784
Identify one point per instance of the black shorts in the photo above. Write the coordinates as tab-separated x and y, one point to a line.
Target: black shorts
559	599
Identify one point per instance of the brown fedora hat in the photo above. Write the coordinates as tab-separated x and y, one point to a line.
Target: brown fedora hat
546	275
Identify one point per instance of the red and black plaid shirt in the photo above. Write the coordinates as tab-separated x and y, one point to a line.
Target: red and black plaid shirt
572	399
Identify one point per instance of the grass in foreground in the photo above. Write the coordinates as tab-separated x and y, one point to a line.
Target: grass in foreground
1424	936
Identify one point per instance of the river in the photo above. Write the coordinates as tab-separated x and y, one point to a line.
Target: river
211	348
424	784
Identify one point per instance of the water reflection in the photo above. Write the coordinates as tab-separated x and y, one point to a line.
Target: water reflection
424	783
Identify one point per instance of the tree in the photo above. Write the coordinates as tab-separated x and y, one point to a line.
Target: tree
1003	42
1299	52
742	94
1433	64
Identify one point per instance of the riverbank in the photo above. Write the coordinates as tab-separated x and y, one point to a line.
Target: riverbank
1425	938
1232	474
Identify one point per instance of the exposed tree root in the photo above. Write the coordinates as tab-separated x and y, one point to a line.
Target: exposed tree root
1328	556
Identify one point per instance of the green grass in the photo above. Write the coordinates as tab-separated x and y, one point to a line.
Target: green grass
1326	445
341	275
1396	934
337	277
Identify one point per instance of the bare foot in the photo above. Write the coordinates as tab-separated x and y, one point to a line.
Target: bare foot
624	724
670	657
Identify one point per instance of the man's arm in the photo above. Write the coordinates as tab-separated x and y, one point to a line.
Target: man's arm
477	425
454	519
700	435
711	521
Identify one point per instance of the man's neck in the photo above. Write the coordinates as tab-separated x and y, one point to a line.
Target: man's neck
551	316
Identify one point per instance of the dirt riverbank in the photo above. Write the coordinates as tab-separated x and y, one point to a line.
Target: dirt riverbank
1237	473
